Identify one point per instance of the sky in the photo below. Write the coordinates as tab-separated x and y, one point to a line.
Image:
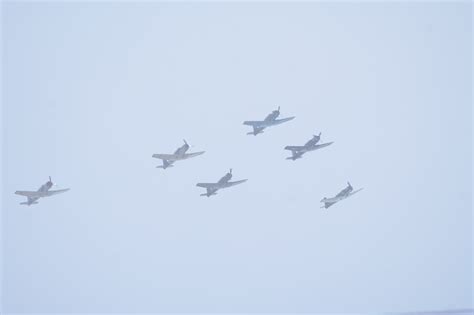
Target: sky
92	89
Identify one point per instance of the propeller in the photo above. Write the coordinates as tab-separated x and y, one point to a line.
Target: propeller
189	146
50	181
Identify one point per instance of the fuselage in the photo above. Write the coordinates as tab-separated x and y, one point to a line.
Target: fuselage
345	192
226	178
43	189
182	150
312	142
272	116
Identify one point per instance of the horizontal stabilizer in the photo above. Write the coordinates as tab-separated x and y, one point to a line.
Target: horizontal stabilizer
208	195
294	158
163	167
28	203
327	205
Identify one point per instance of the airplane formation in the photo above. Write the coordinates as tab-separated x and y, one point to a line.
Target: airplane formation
180	154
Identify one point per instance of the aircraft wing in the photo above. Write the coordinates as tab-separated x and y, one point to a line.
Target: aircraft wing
294	147
190	155
30	194
280	121
319	146
254	123
230	184
208	185
168	157
54	192
355	191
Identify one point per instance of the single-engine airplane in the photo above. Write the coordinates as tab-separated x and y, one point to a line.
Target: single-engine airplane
270	120
43	191
312	145
345	193
224	182
178	155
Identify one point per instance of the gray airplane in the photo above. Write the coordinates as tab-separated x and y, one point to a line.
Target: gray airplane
43	191
178	155
345	193
270	120
311	145
224	182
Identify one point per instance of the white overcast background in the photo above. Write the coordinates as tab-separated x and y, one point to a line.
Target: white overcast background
92	89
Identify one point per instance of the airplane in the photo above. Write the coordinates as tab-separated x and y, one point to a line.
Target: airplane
270	120
311	145
345	193
224	182
43	191
178	155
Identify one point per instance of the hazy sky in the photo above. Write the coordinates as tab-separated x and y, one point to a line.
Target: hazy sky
92	90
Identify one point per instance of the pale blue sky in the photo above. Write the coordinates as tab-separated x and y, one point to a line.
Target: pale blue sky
92	90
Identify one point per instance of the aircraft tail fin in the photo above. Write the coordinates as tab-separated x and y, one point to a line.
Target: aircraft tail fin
256	132
164	167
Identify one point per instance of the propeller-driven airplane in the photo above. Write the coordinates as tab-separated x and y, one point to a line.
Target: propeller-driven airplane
224	182
178	155
311	145
43	191
270	120
345	193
